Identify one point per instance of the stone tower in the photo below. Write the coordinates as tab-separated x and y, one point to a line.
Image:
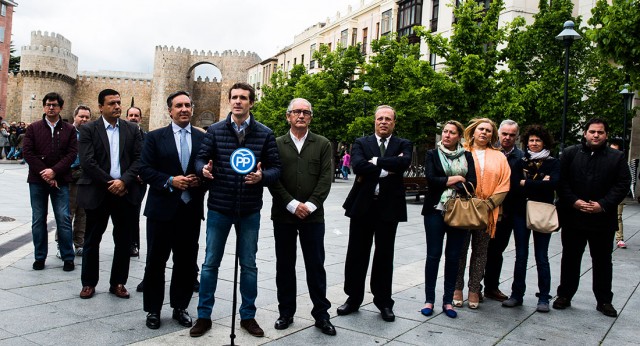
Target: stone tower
46	65
173	70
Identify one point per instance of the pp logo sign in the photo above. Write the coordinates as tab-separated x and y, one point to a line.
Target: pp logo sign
243	160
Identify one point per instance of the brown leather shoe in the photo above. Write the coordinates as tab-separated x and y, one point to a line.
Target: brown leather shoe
252	327
201	327
119	291
495	294
87	292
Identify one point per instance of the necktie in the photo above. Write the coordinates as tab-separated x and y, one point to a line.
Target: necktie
184	161
382	147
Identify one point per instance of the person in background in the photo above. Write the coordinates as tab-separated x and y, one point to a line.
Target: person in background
346	163
616	144
134	115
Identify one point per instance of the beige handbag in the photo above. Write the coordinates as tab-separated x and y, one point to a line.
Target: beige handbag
467	212
542	217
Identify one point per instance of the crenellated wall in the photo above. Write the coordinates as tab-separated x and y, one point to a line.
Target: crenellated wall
47	64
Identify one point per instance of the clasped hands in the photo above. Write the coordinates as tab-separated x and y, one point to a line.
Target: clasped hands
182	182
590	207
49	176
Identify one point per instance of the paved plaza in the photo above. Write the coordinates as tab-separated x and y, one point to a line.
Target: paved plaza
43	307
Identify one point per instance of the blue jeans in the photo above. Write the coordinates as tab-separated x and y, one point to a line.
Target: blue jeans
435	229
541	248
40	193
345	172
218	227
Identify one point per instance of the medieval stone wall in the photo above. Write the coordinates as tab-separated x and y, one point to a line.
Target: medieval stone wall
207	102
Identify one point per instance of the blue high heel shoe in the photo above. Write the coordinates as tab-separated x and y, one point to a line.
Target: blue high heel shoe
427	311
449	312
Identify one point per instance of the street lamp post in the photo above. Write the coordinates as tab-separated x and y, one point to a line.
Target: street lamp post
627	100
367	89
568	35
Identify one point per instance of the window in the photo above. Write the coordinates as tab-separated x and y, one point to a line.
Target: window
378	31
343	37
434	15
1	34
409	15
365	34
386	22
329	46
302	59
312	63
3	10
354	36
294	61
1	60
432	60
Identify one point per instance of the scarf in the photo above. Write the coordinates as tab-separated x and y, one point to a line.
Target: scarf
541	155
453	163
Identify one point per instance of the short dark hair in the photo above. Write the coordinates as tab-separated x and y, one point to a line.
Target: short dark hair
134	107
176	94
52	97
83	107
596	121
104	93
244	86
617	142
539	131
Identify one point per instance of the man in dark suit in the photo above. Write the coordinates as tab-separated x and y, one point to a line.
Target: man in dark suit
174	210
109	156
375	204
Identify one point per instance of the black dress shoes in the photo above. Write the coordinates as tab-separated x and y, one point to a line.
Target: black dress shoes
347	308
140	287
326	327
153	320
183	318
387	314
196	286
283	322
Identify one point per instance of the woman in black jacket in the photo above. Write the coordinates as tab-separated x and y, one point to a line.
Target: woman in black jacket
538	174
447	168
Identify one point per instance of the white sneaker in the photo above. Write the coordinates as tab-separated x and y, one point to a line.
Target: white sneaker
58	252
621	244
78	251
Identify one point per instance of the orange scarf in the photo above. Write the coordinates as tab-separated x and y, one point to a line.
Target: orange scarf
494	180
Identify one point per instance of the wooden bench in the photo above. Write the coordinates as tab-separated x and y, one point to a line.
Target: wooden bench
415	186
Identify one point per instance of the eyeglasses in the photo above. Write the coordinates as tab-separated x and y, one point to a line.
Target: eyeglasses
51	105
297	112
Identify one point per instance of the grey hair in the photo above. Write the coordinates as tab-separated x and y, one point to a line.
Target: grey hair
386	107
509	122
290	107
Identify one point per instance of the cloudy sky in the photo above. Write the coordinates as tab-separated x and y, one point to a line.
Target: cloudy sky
121	35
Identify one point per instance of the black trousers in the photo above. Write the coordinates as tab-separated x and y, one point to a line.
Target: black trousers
574	241
362	232
312	245
180	236
497	245
122	215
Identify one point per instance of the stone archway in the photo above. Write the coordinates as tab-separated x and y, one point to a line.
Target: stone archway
173	70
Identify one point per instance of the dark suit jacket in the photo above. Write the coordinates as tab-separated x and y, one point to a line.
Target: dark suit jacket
95	160
160	160
391	193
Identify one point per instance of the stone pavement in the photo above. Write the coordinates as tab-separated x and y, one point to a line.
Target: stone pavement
43	308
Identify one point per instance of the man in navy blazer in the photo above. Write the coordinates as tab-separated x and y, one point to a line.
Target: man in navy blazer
109	149
174	210
375	204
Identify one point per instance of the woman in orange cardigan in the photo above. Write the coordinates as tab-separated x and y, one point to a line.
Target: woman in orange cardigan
493	173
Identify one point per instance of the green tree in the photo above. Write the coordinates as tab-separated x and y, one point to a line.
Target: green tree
616	31
14	61
471	56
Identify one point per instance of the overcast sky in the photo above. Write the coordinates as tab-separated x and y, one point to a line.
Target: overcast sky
121	35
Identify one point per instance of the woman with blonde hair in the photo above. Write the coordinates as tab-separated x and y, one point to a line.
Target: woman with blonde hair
493	173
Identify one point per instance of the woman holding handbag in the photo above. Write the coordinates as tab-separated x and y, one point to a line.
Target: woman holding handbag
447	168
538	174
493	173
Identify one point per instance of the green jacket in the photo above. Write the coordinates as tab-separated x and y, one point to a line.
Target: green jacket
305	177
